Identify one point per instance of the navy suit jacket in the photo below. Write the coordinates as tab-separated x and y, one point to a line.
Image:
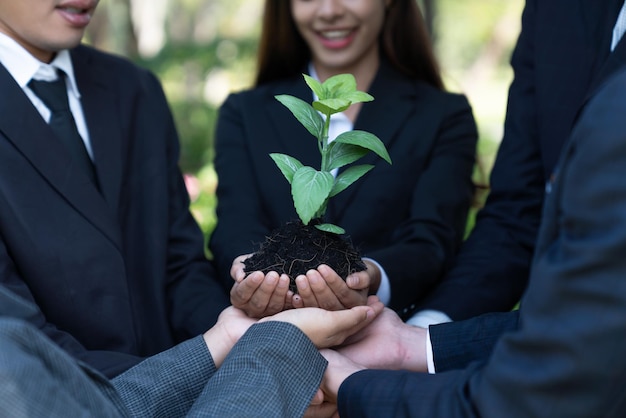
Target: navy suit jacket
409	216
116	273
561	55
566	359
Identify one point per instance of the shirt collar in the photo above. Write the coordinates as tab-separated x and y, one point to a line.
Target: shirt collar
23	66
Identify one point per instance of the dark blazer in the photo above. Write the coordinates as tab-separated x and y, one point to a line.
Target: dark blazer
39	379
409	216
119	271
567	357
561	54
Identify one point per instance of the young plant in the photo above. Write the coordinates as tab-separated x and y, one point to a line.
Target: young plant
310	188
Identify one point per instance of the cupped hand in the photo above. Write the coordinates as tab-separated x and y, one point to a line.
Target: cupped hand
259	294
330	328
324	288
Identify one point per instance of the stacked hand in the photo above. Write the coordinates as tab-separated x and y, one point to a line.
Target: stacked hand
386	343
324	328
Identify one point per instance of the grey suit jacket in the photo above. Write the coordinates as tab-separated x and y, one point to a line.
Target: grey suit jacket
566	359
273	371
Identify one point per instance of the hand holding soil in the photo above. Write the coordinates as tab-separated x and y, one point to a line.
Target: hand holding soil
260	294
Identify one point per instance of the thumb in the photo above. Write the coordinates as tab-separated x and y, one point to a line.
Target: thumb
347	322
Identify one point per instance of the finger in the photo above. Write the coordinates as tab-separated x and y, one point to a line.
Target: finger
318	398
289	295
278	296
358	281
324	295
306	294
242	291
324	410
374	300
261	297
237	268
350	321
346	296
296	301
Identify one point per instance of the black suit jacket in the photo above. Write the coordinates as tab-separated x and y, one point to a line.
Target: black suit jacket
567	357
119	272
409	216
561	55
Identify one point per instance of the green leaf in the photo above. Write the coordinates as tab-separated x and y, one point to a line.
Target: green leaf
340	85
287	165
333	229
365	140
310	189
348	177
358	97
316	87
331	106
343	154
305	113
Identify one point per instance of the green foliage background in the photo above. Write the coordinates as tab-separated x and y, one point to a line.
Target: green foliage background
208	49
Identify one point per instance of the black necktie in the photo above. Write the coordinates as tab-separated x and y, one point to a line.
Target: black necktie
54	96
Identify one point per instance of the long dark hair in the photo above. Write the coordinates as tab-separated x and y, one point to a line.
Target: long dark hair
404	42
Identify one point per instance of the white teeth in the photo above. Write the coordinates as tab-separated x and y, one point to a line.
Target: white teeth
336	34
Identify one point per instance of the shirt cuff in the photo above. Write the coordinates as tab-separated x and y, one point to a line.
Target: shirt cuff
429	354
428	317
384	290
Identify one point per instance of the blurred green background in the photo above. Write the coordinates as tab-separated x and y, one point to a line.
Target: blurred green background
204	49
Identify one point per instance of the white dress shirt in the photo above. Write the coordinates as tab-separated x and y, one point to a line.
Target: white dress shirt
23	67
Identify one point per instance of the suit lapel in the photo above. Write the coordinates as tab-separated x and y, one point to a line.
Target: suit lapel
99	105
27	131
394	98
599	21
615	61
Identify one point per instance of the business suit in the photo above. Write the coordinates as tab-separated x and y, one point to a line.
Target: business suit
566	358
561	55
116	274
39	379
409	216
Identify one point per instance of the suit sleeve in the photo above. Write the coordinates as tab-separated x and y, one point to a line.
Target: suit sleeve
490	272
273	371
168	383
566	359
196	298
457	344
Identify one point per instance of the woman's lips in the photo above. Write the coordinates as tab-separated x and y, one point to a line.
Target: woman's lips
336	39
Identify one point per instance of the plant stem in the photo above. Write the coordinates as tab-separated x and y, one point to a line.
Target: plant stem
324	142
